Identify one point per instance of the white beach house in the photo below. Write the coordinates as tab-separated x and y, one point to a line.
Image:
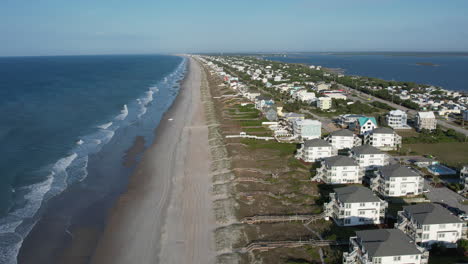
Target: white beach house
464	177
343	139
355	205
324	103
384	246
426	120
397	119
383	138
369	157
428	223
315	149
364	125
338	170
306	129
396	180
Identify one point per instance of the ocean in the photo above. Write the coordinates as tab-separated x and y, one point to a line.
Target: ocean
447	70
66	124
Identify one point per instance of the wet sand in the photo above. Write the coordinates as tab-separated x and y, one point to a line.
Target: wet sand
166	214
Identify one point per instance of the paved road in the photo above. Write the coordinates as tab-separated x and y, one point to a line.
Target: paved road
410	112
445	195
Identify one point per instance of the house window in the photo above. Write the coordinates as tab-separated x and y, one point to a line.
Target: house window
362	204
426	228
377	260
442	226
348	205
362	212
347	221
441	235
397	258
348	213
425	236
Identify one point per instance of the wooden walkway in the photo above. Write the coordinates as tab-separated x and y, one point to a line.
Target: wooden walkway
258	219
267	245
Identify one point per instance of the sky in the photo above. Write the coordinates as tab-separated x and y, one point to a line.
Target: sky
58	27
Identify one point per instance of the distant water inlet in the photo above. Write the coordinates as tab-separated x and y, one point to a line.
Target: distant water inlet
68	111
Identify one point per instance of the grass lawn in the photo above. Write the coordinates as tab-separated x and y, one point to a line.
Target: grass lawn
284	148
250	123
256	129
451	153
407	132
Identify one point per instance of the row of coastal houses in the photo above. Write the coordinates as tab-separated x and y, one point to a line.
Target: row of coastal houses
363	161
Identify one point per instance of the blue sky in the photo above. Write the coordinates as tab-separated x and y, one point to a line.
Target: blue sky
59	27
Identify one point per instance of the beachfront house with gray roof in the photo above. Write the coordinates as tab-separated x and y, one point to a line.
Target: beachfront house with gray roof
338	170
343	139
384	246
429	223
397	180
383	138
369	157
355	205
316	149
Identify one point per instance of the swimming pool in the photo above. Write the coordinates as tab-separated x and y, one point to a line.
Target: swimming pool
438	169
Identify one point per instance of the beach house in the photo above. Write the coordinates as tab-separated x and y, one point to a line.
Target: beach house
338	170
464	177
369	157
396	180
384	246
291	117
397	119
306	129
383	138
262	101
315	149
426	120
355	205
364	125
343	139
324	103
428	223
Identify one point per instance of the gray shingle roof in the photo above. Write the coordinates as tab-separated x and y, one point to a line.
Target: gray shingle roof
366	149
383	130
397	170
340	161
318	142
342	133
387	242
355	194
428	214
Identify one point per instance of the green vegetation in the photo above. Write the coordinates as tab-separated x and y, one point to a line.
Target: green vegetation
439	254
437	136
251	123
283	148
453	154
382	105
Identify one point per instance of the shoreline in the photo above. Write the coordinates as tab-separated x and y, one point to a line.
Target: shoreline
148	223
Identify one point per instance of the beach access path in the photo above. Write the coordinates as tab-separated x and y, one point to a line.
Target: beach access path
166	214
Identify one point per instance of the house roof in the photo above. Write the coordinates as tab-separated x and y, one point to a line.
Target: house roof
366	149
429	213
342	133
387	242
383	130
397	112
292	114
363	120
397	170
426	114
339	161
355	194
261	97
317	142
308	122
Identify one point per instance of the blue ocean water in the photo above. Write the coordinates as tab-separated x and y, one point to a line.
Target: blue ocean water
450	72
57	112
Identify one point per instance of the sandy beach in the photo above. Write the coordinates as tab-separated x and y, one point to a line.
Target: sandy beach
166	214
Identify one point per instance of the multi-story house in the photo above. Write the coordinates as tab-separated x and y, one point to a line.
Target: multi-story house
383	138
262	101
315	149
355	205
369	157
339	170
428	223
464	177
397	180
324	103
426	120
364	125
344	139
397	119
384	246
307	129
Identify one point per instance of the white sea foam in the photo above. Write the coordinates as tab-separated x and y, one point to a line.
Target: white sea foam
123	113
105	126
147	99
80	142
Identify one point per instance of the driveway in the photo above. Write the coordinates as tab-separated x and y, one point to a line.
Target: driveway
445	195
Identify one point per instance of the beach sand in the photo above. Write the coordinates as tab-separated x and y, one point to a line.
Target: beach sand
166	214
